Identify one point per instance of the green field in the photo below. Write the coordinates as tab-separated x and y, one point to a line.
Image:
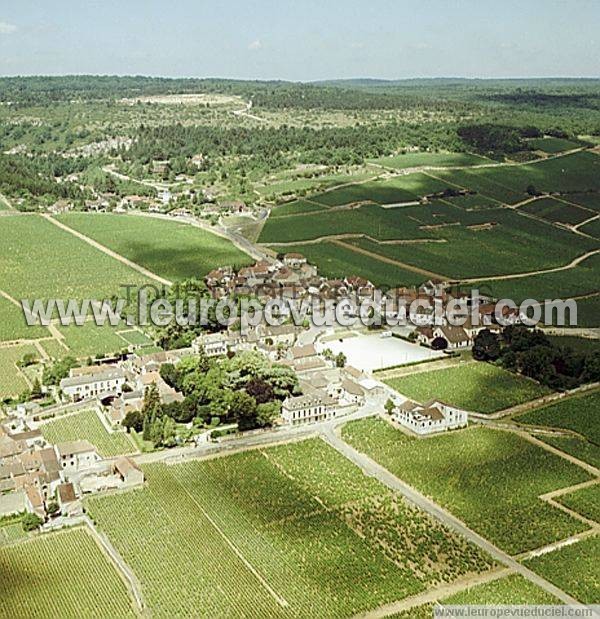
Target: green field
557	210
62	575
479	387
490	479
291	531
13	325
552	145
172	250
136	338
415	160
577	447
336	262
575	569
580	414
91	340
585	502
12	382
580	344
87	426
592	228
297	207
589	200
39	261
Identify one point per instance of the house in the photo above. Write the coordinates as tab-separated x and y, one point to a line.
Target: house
372	388
352	392
308	408
433	416
283	335
75	456
98	381
67	500
215	344
456	337
34	501
130	473
294	260
166	393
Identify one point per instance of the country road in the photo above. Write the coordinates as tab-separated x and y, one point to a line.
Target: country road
375	470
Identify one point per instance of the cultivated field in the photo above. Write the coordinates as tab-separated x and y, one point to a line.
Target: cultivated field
12	381
489	478
13	325
416	160
87	426
575	569
478	387
169	249
61	575
39	260
585	502
288	531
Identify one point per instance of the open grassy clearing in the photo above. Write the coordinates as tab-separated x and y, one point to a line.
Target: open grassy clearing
13	325
12	382
40	261
557	211
87	426
552	145
169	249
579	413
575	569
61	575
585	502
415	160
294	530
489	478
479	387
336	261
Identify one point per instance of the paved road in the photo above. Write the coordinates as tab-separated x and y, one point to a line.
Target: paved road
373	469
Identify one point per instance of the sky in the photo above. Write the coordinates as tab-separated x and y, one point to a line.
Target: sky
301	40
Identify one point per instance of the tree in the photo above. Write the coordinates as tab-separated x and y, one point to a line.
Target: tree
151	410
243	409
31	522
389	406
267	413
537	363
340	360
53	507
134	420
439	343
591	367
36	388
486	346
260	390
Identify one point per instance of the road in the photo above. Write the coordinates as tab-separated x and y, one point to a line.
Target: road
375	470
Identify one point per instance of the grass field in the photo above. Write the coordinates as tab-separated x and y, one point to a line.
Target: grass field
415	160
291	531
575	569
87	426
580	414
40	261
489	478
169	249
62	575
12	382
585	502
478	387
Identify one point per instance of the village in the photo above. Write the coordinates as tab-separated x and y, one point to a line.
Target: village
336	369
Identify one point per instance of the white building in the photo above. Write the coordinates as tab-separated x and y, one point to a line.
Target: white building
308	408
215	344
97	381
75	456
433	416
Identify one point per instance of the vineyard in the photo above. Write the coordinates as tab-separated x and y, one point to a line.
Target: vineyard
489	478
575	569
13	325
12	381
87	426
169	249
479	387
62	575
585	502
295	531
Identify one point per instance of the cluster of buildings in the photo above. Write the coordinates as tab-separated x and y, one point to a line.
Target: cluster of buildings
44	478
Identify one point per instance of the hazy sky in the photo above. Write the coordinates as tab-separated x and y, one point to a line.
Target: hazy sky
302	39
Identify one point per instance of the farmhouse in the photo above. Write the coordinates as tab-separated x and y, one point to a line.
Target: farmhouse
308	408
129	472
67	500
75	456
433	416
97	382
